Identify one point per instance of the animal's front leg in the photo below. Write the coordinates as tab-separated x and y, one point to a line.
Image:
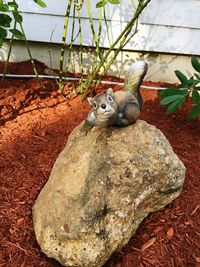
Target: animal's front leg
86	127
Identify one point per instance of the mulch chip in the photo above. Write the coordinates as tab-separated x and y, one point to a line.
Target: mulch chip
34	126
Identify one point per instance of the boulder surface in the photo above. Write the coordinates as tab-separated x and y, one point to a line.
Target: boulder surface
103	184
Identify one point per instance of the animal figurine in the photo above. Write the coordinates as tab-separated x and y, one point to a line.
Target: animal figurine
119	108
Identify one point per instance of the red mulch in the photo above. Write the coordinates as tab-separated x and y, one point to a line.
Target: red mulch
35	125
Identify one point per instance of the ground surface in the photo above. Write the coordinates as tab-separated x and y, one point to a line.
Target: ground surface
35	124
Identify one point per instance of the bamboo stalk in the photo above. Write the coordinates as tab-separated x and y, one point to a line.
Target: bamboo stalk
96	39
91	22
72	38
129	26
80	51
31	58
62	50
107	28
27	46
124	41
9	51
122	44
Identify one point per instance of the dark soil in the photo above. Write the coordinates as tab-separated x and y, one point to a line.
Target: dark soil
35	124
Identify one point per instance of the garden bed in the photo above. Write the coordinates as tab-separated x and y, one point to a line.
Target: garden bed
34	126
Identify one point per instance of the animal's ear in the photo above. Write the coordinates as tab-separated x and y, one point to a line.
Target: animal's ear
90	100
109	91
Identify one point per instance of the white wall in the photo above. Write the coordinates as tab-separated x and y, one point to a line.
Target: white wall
161	66
170	26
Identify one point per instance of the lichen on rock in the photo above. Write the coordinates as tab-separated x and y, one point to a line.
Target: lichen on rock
103	184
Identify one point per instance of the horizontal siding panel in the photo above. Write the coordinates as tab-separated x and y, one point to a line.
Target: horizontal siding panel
48	28
177	13
122	12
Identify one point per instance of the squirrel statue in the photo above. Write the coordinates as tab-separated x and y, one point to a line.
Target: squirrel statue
119	108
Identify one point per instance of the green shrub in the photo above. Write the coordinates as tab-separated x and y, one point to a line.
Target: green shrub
176	96
8	13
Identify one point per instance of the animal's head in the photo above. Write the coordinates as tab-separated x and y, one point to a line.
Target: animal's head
103	108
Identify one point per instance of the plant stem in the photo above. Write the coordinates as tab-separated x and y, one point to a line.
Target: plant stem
91	22
106	23
9	51
62	50
127	29
72	39
96	39
31	58
27	46
80	51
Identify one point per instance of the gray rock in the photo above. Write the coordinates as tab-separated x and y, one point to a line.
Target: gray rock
103	184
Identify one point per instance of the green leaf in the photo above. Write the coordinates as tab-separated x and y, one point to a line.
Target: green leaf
195	63
193	82
17	17
169	91
5	20
1	41
195	97
195	112
101	3
175	105
173	91
19	35
114	2
170	99
182	78
197	76
40	3
3	33
13	4
197	88
3	7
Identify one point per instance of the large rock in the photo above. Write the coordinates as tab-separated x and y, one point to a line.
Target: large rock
102	186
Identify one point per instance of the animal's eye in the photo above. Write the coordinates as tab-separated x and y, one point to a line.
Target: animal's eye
94	104
109	97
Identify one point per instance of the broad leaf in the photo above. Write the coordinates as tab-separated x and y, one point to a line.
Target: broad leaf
182	78
19	35
13	5
115	2
193	82
17	17
101	3
173	91
195	97
195	63
169	91
170	99
3	33
197	76
195	112
5	20
175	105
3	7
40	3
182	86
1	41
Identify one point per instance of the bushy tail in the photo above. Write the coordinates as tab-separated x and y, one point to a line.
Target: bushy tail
134	78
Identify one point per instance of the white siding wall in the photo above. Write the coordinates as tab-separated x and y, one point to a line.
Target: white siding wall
171	26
